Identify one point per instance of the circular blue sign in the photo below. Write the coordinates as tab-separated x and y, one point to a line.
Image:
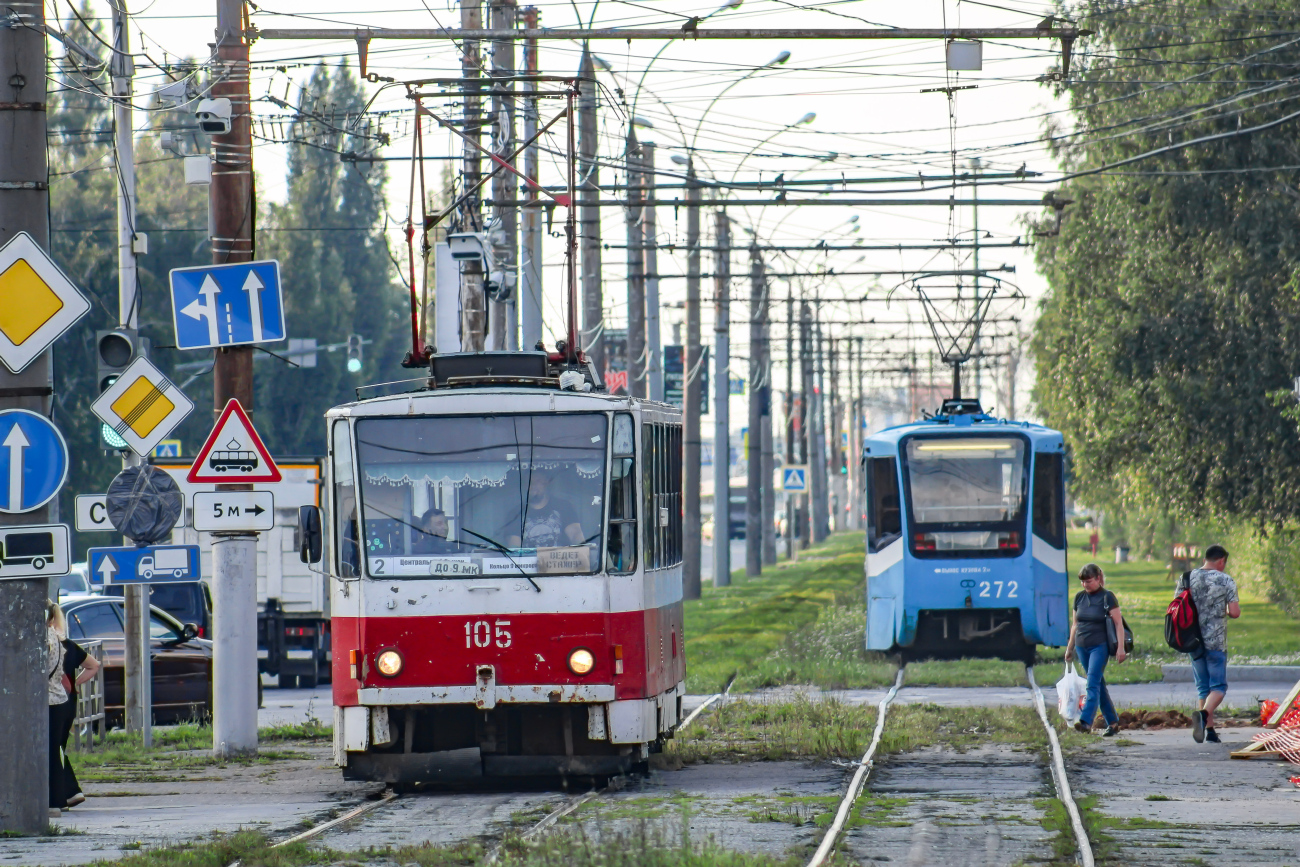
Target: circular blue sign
33	460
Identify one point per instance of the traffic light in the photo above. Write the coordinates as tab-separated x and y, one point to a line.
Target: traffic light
354	353
114	352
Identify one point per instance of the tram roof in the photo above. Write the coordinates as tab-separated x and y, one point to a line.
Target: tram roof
502	400
970	426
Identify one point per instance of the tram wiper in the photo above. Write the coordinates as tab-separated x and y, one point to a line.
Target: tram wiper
504	550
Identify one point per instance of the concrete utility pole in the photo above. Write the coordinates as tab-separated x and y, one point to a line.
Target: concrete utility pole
24	207
692	352
807	438
649	241
975	265
835	410
234	555
636	384
593	305
757	396
530	276
817	459
769	458
137	662
791	414
504	327
722	402
473	312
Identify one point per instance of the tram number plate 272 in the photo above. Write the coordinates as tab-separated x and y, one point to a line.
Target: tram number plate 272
480	633
998	589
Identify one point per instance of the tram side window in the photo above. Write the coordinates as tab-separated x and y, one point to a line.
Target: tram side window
661	462
346	532
884	512
621	548
1049	499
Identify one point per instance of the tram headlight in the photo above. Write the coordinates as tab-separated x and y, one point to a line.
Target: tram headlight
389	663
581	661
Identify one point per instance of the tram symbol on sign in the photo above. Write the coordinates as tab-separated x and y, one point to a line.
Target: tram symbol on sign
233	458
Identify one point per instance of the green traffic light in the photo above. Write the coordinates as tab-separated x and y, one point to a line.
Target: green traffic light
354	365
111	439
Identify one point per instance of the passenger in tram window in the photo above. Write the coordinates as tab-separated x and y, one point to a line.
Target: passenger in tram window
433	535
549	522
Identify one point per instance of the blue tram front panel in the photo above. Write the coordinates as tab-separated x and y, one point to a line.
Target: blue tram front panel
966	550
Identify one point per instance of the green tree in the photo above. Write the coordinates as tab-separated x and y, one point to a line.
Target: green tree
1172	313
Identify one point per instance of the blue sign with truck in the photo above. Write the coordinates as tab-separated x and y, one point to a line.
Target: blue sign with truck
152	564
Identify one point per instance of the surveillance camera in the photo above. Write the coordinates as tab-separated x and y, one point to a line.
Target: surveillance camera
467	246
174	94
214	115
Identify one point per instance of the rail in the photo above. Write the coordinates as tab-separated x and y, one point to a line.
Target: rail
89	726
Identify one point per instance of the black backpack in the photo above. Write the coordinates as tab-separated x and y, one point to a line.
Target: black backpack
1182	623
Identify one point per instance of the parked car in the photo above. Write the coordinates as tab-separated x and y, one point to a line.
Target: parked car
182	662
187	601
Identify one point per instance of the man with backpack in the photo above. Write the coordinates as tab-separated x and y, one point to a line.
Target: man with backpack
1215	595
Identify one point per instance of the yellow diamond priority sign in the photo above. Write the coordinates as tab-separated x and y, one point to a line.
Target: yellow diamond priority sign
143	406
37	302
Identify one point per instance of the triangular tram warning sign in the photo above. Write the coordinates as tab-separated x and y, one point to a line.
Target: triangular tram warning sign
233	453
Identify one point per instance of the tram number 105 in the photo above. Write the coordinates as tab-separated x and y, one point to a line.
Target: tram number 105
997	587
480	633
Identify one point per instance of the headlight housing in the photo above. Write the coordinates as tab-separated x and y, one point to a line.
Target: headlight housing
389	662
581	661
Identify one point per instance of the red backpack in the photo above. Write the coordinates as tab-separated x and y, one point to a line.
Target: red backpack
1182	625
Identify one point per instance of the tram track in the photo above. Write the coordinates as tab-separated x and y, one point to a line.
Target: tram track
857	784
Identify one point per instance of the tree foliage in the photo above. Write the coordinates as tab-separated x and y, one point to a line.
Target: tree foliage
1172	318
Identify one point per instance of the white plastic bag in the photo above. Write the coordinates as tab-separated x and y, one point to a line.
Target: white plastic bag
1070	693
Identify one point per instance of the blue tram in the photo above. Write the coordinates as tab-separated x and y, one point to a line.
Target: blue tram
966	548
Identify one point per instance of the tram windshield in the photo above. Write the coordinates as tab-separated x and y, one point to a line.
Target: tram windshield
453	496
966	494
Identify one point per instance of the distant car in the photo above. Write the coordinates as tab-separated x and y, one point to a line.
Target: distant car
182	662
76	582
187	601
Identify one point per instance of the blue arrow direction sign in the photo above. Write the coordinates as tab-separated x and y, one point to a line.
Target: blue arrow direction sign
33	460
227	305
156	564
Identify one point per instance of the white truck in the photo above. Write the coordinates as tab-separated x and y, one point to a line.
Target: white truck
164	561
293	616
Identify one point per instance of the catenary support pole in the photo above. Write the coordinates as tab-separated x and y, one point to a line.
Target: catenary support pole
691	365
769	456
504	329
473	303
650	240
835	410
722	402
24	207
137	665
806	415
530	274
817	431
791	415
234	556
975	263
754	442
636	384
593	310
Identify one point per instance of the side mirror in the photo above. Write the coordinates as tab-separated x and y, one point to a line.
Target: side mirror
191	631
309	534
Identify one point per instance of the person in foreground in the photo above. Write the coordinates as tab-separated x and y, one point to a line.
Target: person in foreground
1215	595
1092	605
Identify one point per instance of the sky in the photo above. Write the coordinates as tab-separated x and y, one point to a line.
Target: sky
739	116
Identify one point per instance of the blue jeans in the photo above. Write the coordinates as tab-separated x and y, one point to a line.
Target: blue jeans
1094	663
1210	668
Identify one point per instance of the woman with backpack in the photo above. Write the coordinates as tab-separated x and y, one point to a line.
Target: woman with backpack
1093	605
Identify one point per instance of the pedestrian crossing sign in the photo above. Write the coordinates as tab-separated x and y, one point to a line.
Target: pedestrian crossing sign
143	406
794	480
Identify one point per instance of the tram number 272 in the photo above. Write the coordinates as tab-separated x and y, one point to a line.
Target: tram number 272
480	633
997	587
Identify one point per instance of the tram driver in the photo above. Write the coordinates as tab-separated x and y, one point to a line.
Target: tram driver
433	535
549	522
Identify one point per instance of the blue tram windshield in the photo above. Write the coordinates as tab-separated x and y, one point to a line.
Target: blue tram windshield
458	496
966	494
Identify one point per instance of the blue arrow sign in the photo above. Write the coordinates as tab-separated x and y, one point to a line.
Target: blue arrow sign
33	460
227	305
794	479
157	564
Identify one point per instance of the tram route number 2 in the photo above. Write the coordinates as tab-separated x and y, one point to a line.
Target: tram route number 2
480	633
993	589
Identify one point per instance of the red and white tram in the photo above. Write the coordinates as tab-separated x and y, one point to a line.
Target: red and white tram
505	548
